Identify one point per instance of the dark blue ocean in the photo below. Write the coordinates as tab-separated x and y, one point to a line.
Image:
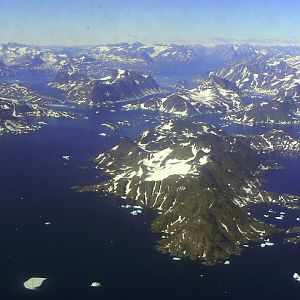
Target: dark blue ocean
92	238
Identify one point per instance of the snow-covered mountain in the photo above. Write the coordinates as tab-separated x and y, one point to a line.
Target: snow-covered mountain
272	140
262	76
173	104
281	111
213	95
118	85
139	55
157	58
30	56
198	179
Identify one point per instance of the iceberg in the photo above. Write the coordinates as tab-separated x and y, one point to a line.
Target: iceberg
296	276
34	282
95	284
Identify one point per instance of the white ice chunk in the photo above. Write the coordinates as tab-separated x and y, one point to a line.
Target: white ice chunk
66	157
95	284
34	282
296	276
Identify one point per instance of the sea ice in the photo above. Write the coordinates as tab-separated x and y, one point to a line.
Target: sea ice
269	244
136	212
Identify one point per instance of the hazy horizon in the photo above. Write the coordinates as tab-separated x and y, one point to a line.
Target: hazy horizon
95	22
212	43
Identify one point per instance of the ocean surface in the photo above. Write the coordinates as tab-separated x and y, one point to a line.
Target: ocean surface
92	238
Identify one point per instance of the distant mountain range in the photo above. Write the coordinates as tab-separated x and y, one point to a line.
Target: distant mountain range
226	76
195	59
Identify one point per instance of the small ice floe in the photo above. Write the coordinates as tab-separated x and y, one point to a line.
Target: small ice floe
136	212
95	284
267	243
34	282
103	134
176	258
227	262
126	206
296	276
66	157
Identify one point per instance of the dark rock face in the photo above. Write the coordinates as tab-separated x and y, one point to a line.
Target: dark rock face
178	104
174	104
283	111
65	77
273	140
180	85
119	85
198	179
292	93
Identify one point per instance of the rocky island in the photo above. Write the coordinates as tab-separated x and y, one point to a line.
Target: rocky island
117	85
21	109
199	180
